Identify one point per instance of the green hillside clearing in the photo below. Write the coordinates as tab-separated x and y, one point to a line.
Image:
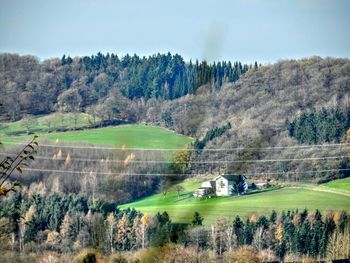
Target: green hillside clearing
286	198
341	184
140	136
51	122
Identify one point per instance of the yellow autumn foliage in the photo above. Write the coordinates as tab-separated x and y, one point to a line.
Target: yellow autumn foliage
279	233
3	191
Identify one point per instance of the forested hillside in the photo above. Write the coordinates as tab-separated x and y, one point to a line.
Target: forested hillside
257	105
263	122
103	84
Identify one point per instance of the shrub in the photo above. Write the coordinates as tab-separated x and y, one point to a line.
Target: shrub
245	254
118	258
86	256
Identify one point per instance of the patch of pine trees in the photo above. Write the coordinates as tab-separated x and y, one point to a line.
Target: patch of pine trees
160	76
317	127
67	224
211	135
68	84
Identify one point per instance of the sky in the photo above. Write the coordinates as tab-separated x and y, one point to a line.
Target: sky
247	30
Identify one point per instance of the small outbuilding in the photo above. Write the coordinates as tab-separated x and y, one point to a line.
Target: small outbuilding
207	189
261	185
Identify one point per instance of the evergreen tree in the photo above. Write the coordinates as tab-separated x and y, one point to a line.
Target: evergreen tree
319	126
238	228
273	217
211	135
263	222
329	227
343	221
161	236
249	231
197	219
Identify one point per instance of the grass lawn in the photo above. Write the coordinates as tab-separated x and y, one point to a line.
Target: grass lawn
287	198
140	136
49	122
341	184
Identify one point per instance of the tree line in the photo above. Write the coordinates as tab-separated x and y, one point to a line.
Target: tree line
70	85
316	127
66	224
163	76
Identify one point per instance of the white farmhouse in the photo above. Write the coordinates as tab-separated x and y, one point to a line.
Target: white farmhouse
223	185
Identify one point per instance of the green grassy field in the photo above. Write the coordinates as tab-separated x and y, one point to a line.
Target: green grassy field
341	184
49	122
140	136
287	198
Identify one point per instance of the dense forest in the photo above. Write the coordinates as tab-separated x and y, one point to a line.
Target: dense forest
258	106
243	119
64	224
320	126
66	84
310	94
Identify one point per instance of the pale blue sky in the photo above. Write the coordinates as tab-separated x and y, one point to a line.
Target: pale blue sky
246	30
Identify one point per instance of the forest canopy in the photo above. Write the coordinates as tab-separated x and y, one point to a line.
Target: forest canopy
68	84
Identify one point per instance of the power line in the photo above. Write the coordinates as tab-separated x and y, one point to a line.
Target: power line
172	174
101	173
310	171
179	149
197	162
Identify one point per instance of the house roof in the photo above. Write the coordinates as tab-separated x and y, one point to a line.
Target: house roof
229	177
208	184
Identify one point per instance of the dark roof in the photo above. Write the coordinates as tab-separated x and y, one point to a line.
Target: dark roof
230	177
